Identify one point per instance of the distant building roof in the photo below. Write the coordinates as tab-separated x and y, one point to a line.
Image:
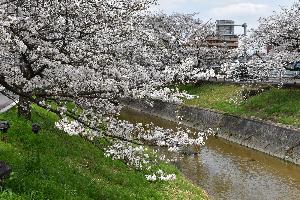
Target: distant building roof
225	27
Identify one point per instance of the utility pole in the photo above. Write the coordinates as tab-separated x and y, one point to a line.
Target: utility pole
244	25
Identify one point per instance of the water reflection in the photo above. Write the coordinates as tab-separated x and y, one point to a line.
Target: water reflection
229	171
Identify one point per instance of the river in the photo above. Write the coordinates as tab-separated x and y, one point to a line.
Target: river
229	171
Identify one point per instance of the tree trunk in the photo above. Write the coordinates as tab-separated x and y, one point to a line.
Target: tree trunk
24	107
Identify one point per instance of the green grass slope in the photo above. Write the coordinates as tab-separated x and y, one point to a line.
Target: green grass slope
278	105
53	165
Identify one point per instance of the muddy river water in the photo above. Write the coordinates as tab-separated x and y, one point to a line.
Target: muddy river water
230	171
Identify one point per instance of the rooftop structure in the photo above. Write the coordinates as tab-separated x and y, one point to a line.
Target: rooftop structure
225	27
225	34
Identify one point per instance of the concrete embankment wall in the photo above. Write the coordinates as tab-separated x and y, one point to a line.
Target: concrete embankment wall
275	140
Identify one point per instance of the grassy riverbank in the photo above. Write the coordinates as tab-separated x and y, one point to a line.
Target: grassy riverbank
53	165
278	105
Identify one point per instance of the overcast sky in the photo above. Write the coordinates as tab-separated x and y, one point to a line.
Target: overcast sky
241	11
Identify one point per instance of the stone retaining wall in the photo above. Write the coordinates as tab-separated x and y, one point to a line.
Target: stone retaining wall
263	136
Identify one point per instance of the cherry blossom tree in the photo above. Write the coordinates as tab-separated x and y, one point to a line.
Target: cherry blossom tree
61	48
281	33
79	58
273	45
186	53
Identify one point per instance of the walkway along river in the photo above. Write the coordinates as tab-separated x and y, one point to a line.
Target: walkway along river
229	171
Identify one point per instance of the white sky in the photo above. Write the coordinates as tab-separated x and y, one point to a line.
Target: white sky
241	11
